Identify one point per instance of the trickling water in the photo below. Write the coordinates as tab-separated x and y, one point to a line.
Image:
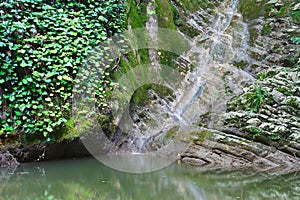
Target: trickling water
204	86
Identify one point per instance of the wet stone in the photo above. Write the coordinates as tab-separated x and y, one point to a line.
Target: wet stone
254	122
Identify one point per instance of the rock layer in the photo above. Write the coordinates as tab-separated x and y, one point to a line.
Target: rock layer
215	149
261	127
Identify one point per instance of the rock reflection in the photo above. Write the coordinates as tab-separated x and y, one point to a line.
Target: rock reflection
88	179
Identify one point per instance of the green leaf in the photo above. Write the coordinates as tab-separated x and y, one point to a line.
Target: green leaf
12	98
23	64
49	129
103	19
29	79
22	51
24	81
45	112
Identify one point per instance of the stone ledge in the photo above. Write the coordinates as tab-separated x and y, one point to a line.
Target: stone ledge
221	150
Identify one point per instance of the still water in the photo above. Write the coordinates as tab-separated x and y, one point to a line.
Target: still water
88	179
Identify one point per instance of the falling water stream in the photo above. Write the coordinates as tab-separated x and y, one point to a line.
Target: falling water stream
201	81
203	88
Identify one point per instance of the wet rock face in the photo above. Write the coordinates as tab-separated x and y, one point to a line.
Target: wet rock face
7	160
270	108
270	37
261	127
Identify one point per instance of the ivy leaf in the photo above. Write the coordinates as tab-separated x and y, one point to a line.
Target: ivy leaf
24	81
103	19
49	129
29	79
22	51
12	98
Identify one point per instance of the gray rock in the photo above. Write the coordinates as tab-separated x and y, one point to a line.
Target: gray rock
7	160
296	124
280	129
277	96
254	122
267	126
273	1
296	7
225	150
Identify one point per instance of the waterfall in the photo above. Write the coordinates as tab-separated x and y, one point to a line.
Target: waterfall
203	88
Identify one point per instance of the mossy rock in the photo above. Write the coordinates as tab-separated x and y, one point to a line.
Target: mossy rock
172	132
198	136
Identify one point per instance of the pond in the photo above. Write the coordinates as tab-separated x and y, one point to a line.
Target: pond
89	179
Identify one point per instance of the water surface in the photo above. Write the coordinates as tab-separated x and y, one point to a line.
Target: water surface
89	179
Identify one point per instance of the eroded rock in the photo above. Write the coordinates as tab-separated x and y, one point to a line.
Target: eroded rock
219	149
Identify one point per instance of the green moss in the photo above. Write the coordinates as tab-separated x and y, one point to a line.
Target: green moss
144	56
185	8
293	103
266	74
171	17
136	14
295	15
136	18
171	132
202	135
140	96
266	29
129	61
269	10
284	90
254	130
190	6
285	10
253	34
257	134
168	58
241	65
251	9
165	12
69	131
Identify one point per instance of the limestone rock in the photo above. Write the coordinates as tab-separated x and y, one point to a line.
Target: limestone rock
220	149
254	122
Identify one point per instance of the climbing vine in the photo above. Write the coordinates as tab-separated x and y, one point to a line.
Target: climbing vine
43	44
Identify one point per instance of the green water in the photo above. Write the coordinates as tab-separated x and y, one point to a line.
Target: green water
89	179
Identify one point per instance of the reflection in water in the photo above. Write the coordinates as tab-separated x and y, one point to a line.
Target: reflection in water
89	179
135	162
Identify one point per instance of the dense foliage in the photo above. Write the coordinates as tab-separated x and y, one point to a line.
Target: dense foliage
42	46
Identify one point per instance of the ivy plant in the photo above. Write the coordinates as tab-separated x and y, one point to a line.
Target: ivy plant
43	44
